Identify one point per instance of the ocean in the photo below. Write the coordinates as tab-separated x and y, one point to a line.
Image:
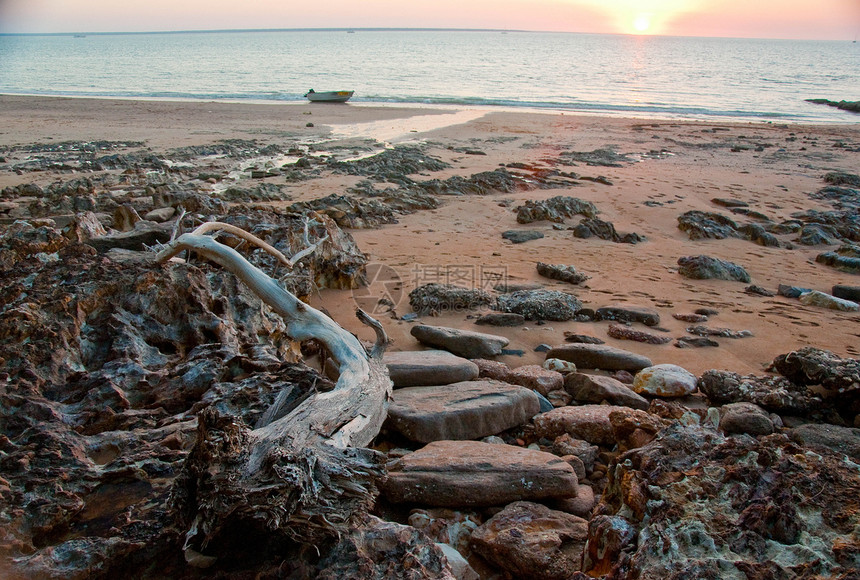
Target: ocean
643	76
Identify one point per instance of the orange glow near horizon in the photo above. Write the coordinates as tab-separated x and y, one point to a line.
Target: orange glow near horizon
823	19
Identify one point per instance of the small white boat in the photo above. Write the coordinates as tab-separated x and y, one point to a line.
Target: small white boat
328	96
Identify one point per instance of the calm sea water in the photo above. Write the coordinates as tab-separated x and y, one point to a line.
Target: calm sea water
605	74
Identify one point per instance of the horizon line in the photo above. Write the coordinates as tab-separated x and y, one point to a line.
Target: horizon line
389	29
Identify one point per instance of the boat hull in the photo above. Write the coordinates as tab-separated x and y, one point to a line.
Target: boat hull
330	96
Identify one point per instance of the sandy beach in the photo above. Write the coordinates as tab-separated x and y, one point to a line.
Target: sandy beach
668	167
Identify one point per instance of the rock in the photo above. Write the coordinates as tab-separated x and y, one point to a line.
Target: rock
845	292
463	343
791	291
599	388
540	304
708	268
817	235
581	505
565	446
460	568
763	508
720	332
464	410
491	369
701	225
608	538
84	227
530	540
593	227
845	259
144	235
124	218
695	342
623	332
824	437
633	428
582	338
378	550
587	422
555	209
501	319
558	365
822	300
665	380
599	356
473	474
628	313
451	527
561	272
160	215
759	291
745	418
436	298
522	236
776	394
812	366
537	378
428	367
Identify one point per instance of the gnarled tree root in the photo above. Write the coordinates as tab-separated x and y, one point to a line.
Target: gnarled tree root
306	474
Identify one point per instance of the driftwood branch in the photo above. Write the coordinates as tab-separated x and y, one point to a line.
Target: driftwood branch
304	473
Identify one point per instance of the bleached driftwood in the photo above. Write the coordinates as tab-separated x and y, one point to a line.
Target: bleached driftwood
305	473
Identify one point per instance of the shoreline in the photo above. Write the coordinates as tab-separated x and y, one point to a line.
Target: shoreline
488	107
774	168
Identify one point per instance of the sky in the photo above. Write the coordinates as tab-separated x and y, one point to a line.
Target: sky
802	19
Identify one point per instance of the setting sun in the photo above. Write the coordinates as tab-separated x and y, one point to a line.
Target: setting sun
642	23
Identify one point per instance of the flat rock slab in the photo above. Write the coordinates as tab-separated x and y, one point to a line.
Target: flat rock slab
628	313
531	540
475	474
428	367
598	388
465	410
599	356
522	236
465	343
587	422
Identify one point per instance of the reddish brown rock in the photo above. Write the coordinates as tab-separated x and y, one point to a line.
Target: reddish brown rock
634	428
588	422
529	540
538	378
599	388
471	473
492	369
465	410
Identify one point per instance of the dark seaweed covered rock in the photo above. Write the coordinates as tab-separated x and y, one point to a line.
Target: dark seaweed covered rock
845	259
436	298
708	268
776	394
814	366
540	304
593	227
701	225
555	209
561	272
